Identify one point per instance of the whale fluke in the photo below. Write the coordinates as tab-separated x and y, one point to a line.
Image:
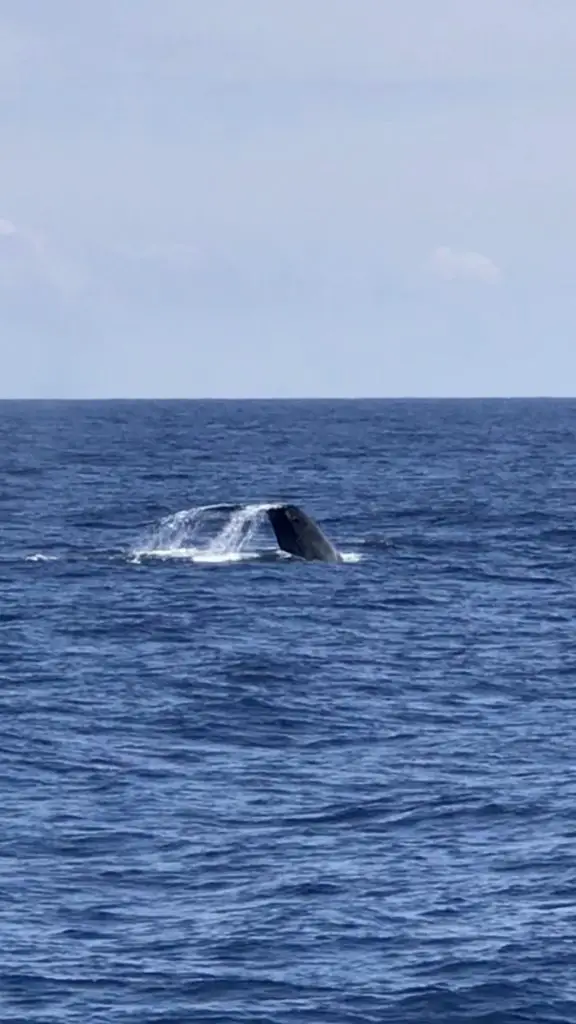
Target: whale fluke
299	535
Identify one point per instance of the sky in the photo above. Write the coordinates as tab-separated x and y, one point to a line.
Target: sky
287	198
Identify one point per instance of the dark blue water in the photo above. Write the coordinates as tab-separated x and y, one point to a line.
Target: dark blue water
236	787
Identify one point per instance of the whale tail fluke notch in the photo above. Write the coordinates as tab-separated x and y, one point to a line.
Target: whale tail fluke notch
299	535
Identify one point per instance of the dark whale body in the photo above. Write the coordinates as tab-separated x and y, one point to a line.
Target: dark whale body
299	535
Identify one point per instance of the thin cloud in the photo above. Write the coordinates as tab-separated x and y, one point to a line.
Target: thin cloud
464	265
26	257
8	229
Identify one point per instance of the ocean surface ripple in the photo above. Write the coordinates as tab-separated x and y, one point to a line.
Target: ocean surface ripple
242	789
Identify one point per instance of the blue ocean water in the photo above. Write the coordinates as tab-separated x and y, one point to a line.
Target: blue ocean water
236	787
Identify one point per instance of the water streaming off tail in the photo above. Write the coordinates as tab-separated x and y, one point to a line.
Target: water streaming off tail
209	533
238	533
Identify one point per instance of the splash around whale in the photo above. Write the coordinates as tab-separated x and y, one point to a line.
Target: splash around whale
225	533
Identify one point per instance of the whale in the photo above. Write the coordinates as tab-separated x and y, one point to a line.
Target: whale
298	534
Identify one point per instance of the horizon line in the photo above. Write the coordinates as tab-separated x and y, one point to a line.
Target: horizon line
296	398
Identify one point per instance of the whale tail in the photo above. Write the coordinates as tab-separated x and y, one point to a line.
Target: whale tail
299	535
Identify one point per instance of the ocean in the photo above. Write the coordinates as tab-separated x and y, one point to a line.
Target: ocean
240	788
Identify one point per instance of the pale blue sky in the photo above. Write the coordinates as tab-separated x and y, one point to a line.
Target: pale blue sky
287	197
